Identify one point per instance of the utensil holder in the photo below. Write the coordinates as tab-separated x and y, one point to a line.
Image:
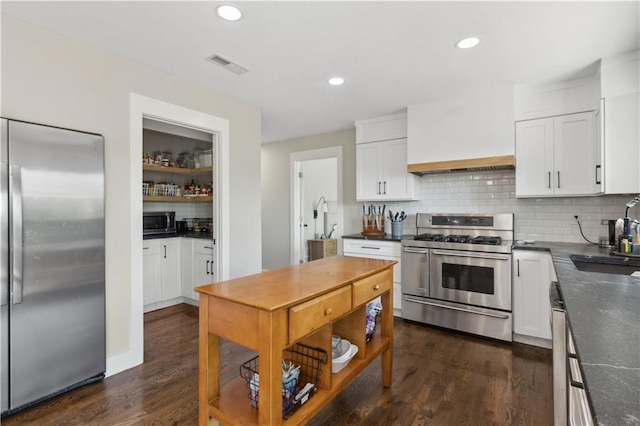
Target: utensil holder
397	229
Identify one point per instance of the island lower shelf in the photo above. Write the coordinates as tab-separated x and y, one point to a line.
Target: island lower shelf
228	408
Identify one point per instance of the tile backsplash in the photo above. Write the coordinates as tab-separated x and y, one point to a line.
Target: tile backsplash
541	219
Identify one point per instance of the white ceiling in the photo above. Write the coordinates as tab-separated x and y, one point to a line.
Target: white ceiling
391	54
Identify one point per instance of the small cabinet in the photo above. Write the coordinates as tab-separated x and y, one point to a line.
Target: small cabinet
381	160
321	248
558	156
532	275
161	272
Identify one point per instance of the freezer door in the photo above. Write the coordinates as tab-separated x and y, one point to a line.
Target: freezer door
57	309
4	269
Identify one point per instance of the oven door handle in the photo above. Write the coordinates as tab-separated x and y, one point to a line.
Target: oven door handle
414	250
455	308
476	254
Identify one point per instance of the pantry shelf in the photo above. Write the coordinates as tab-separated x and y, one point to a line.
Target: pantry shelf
156	198
177	170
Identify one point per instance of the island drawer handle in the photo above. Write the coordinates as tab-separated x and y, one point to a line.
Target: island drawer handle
376	287
327	312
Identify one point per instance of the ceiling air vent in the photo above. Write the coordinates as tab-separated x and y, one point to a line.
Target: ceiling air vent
227	64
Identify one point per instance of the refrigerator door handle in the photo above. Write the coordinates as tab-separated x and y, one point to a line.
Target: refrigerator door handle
15	183
4	230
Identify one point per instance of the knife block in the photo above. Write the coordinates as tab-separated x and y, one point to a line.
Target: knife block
373	225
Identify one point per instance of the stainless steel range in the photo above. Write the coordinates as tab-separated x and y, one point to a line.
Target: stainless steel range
456	273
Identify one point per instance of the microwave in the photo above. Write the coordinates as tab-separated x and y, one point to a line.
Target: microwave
158	223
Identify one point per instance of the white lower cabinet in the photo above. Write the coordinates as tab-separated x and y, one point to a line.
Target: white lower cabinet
161	272
532	276
198	266
385	250
203	266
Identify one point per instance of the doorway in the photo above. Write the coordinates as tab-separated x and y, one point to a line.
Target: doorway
142	107
316	199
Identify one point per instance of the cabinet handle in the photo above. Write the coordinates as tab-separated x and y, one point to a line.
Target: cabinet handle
598	175
518	266
376	287
558	179
208	267
378	187
165	251
328	312
385	187
212	247
145	248
370	247
549	177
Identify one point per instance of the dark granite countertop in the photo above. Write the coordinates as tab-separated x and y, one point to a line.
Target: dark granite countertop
603	311
385	237
185	234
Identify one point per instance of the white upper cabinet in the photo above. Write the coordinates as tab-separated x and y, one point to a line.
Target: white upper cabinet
381	160
621	115
565	97
557	156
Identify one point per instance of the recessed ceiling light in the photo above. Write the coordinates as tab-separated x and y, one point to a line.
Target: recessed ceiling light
336	81
467	43
229	12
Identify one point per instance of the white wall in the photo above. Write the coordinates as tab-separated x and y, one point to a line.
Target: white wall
276	217
51	79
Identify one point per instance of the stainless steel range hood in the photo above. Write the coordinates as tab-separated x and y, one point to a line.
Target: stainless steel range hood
506	162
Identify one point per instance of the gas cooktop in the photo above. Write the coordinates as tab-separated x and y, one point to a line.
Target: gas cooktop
475	232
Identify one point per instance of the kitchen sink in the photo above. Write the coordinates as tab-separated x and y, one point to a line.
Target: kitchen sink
606	264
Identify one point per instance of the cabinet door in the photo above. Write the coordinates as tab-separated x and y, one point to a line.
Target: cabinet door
203	269
368	166
151	272
170	253
575	154
396	182
531	280
534	158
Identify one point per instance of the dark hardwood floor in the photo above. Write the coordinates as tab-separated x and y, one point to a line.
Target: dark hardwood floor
439	378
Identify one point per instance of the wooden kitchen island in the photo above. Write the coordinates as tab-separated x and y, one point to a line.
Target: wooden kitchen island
271	311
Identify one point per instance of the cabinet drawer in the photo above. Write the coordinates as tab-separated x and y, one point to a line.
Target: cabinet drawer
371	287
309	316
369	247
203	246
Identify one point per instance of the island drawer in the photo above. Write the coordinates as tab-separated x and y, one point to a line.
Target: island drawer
370	287
313	314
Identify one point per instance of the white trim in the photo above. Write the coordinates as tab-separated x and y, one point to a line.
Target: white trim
139	107
295	159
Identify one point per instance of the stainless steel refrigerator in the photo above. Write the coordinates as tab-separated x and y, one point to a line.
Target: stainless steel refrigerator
52	262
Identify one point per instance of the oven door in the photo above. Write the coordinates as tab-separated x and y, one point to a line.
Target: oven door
473	278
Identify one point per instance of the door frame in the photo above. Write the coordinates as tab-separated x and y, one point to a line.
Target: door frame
296	158
143	107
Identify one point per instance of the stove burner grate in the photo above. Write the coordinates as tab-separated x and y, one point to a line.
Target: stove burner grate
429	237
494	241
